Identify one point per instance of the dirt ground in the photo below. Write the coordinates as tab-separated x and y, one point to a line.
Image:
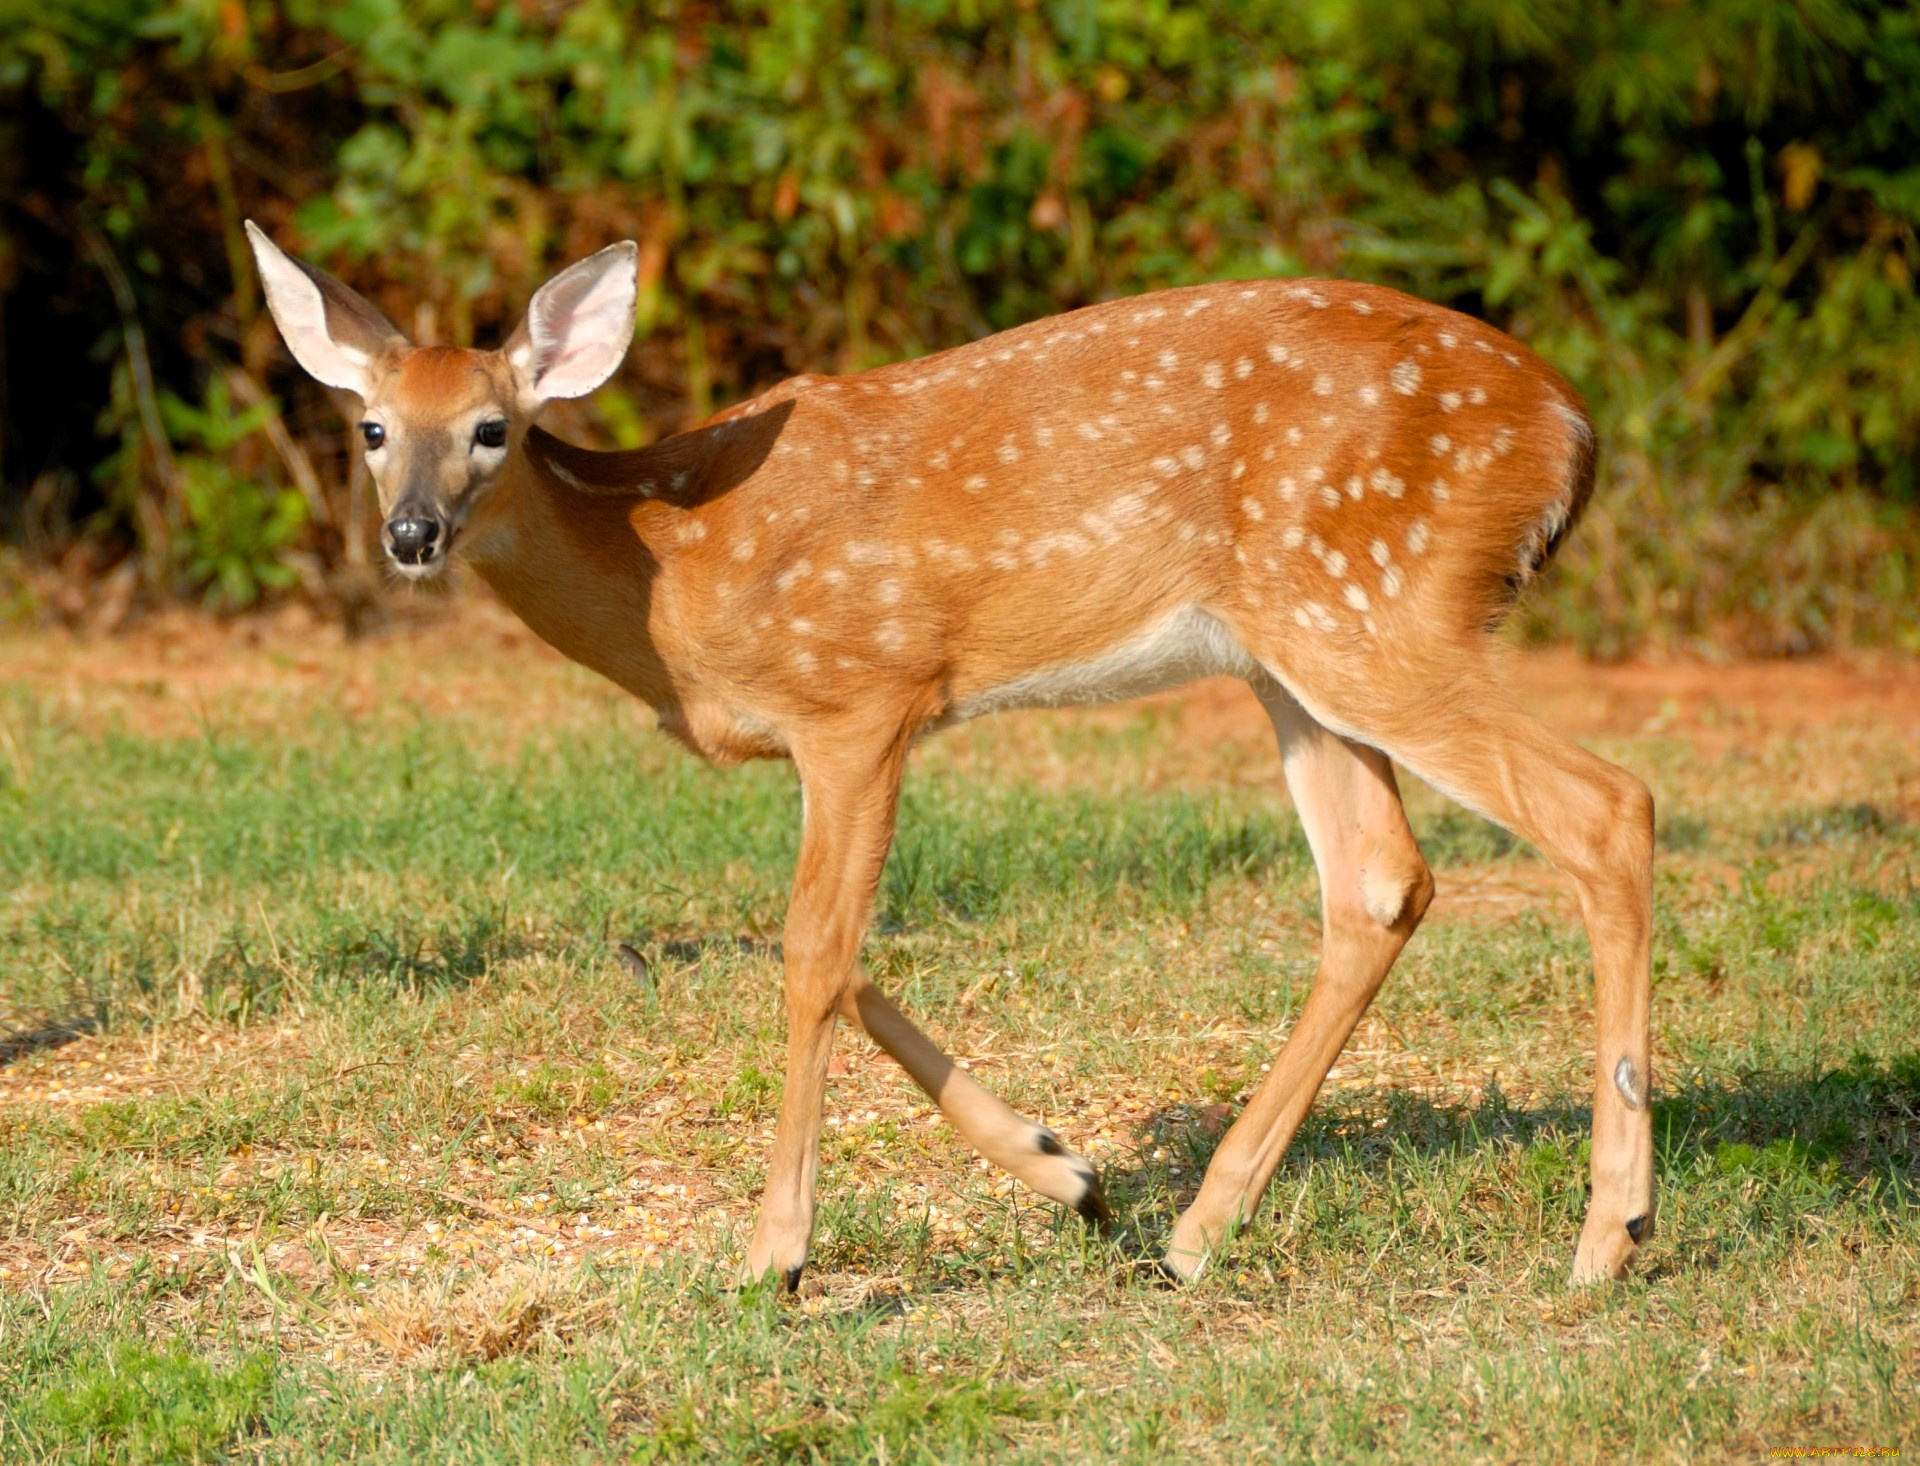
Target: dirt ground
471	653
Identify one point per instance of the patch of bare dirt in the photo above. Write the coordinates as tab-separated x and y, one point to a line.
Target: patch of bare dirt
468	651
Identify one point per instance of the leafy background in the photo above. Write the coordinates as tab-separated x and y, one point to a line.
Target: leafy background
1704	213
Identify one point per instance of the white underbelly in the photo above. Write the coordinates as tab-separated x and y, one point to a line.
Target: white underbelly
1189	644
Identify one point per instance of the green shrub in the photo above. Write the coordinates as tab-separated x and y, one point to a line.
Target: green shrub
1705	214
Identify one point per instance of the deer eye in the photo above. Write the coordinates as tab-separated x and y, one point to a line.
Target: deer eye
373	433
491	434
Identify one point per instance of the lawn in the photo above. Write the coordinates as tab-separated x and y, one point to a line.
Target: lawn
338	1125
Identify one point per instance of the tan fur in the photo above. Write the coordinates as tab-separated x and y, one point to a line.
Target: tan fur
1330	487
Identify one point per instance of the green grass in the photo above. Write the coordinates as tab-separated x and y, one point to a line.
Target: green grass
357	1061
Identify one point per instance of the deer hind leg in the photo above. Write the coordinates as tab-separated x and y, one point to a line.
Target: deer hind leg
1029	1151
1374	888
1595	822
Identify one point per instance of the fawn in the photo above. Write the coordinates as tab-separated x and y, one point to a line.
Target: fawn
1331	490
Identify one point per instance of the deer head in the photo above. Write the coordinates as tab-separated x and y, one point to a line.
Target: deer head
439	424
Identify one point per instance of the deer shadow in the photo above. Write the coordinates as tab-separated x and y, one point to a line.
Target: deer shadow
1810	1130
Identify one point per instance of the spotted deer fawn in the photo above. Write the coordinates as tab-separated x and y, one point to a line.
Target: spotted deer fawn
1330	490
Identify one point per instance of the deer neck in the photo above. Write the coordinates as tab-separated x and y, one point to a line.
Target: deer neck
580	570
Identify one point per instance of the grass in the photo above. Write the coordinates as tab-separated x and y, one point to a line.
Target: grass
335	1127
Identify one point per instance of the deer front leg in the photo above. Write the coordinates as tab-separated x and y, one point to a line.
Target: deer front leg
850	804
1030	1151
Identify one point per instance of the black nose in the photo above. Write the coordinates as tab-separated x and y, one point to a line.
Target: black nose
412	539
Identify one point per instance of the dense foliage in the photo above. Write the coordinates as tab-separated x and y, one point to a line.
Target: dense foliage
1705	214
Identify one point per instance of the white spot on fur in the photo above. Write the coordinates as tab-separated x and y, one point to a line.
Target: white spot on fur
1212	376
1322	385
1441	444
1387	482
872	552
1391	580
1357	598
1252	508
743	549
1449	401
1379	551
1405	377
1417	537
1243	368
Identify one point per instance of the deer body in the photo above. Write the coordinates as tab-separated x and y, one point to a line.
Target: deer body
1064	513
1330	490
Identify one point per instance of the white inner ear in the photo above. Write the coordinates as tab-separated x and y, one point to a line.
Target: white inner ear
300	312
580	325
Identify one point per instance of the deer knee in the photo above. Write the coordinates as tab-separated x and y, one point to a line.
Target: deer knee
1395	884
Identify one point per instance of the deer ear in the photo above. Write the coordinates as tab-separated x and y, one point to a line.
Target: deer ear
332	332
578	326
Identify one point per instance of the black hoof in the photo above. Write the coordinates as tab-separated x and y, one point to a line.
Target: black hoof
1637	1227
1154	1273
791	1277
1093	1207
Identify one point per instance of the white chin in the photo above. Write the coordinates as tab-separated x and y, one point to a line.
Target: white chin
428	570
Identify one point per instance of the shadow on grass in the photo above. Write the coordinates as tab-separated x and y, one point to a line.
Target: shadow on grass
1821	824
18	1043
1806	1133
446	955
